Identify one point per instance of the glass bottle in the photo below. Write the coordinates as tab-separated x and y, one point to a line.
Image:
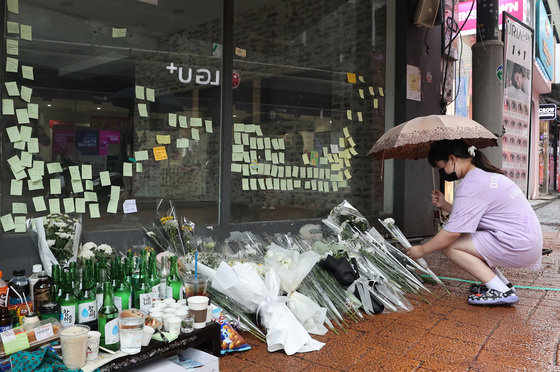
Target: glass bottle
74	278
57	288
87	307
164	273
108	318
153	277
174	281
142	294
68	302
43	291
128	269
101	274
33	278
19	283
123	293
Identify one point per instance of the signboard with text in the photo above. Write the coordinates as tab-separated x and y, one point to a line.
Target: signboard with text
513	7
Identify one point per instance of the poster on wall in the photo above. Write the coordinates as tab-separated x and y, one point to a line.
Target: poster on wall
518	61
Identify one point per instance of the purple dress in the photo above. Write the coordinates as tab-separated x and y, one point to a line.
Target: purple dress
504	228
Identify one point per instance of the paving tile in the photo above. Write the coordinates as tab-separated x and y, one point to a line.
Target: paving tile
545	314
404	331
540	352
338	354
506	362
461	331
443	343
475	316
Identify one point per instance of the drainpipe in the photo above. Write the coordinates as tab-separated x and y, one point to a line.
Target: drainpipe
487	84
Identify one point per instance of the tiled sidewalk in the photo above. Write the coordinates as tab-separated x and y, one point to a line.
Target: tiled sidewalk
448	335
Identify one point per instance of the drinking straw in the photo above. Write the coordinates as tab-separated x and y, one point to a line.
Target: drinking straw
195	267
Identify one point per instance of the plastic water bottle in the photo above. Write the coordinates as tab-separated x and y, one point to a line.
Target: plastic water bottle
34	278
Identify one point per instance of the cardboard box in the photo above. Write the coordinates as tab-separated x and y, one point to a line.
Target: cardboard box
209	362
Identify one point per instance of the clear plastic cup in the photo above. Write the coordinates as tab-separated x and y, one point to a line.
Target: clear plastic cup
131	324
195	287
73	340
172	324
147	334
187	324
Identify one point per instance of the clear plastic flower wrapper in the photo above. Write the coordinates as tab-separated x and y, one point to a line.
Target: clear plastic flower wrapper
58	239
243	283
291	268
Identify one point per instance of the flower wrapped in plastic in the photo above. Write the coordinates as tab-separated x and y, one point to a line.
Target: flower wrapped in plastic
291	268
58	239
261	296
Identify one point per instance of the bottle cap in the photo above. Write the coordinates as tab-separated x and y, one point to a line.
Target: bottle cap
0	274
37	268
20	272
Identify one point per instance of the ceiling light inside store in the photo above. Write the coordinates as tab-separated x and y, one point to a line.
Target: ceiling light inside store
49	105
99	108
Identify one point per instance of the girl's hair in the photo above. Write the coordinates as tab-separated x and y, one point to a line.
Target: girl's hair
440	150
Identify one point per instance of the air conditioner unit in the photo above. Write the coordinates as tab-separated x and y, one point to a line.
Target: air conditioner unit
426	13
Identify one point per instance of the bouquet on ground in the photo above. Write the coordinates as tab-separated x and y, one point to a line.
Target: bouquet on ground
58	239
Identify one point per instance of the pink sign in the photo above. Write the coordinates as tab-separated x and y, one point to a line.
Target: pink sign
107	137
63	141
513	7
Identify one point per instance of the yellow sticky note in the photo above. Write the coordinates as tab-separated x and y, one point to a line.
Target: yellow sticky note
86	172
341	142
27	72
11	64
163	139
305	158
253	183
19	208
119	32
195	134
353	151
12	47
151	94
54	206
7	222
235	167
160	153
258	130
20	145
238	127
94	211
183	121
12	88
77	186
68	205
8	107
74	172
371	91
90	196
55	186
196	122
13	6
351	141
360	119
115	193
39	203
142	110
80	205
182	143
104	178
361	92
361	78
245	184
21	226
139	92
351	77
127	169
139	168
346	132
25	32
54	168
33	110
141	155
375	103
347	174
349	114
249	128
16	187
208	124
172	120
381	92
26	93
13	134
12	27
22	116
335	186
262	185
89	185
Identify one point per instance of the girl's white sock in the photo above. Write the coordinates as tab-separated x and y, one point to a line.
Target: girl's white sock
497	284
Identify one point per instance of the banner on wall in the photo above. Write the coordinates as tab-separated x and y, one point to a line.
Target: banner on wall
544	42
466	13
518	58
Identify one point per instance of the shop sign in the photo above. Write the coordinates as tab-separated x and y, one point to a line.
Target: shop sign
547	111
202	76
545	41
513	7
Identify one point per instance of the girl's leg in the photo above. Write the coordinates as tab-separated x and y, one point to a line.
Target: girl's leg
462	253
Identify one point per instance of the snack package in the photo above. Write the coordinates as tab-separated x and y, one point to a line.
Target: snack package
230	340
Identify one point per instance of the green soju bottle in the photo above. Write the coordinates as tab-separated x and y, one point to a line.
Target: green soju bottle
174	281
68	302
142	292
153	276
57	289
107	319
74	278
123	293
101	277
87	307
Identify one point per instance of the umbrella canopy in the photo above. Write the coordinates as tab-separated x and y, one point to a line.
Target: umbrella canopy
412	139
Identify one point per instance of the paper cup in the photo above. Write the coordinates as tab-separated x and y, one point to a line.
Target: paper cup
172	324
168	301
93	345
157	315
169	310
182	313
73	340
147	335
198	308
182	302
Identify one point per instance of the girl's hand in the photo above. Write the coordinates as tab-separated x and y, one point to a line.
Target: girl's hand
415	252
438	199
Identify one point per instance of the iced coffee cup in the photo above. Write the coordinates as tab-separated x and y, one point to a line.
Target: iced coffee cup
73	340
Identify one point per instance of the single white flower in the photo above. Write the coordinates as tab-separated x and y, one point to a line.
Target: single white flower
89	246
61	224
63	235
106	248
50	242
389	221
86	253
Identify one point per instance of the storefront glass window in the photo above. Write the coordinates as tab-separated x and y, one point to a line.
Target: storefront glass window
308	102
105	101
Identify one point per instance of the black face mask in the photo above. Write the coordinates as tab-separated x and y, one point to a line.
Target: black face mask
448	177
